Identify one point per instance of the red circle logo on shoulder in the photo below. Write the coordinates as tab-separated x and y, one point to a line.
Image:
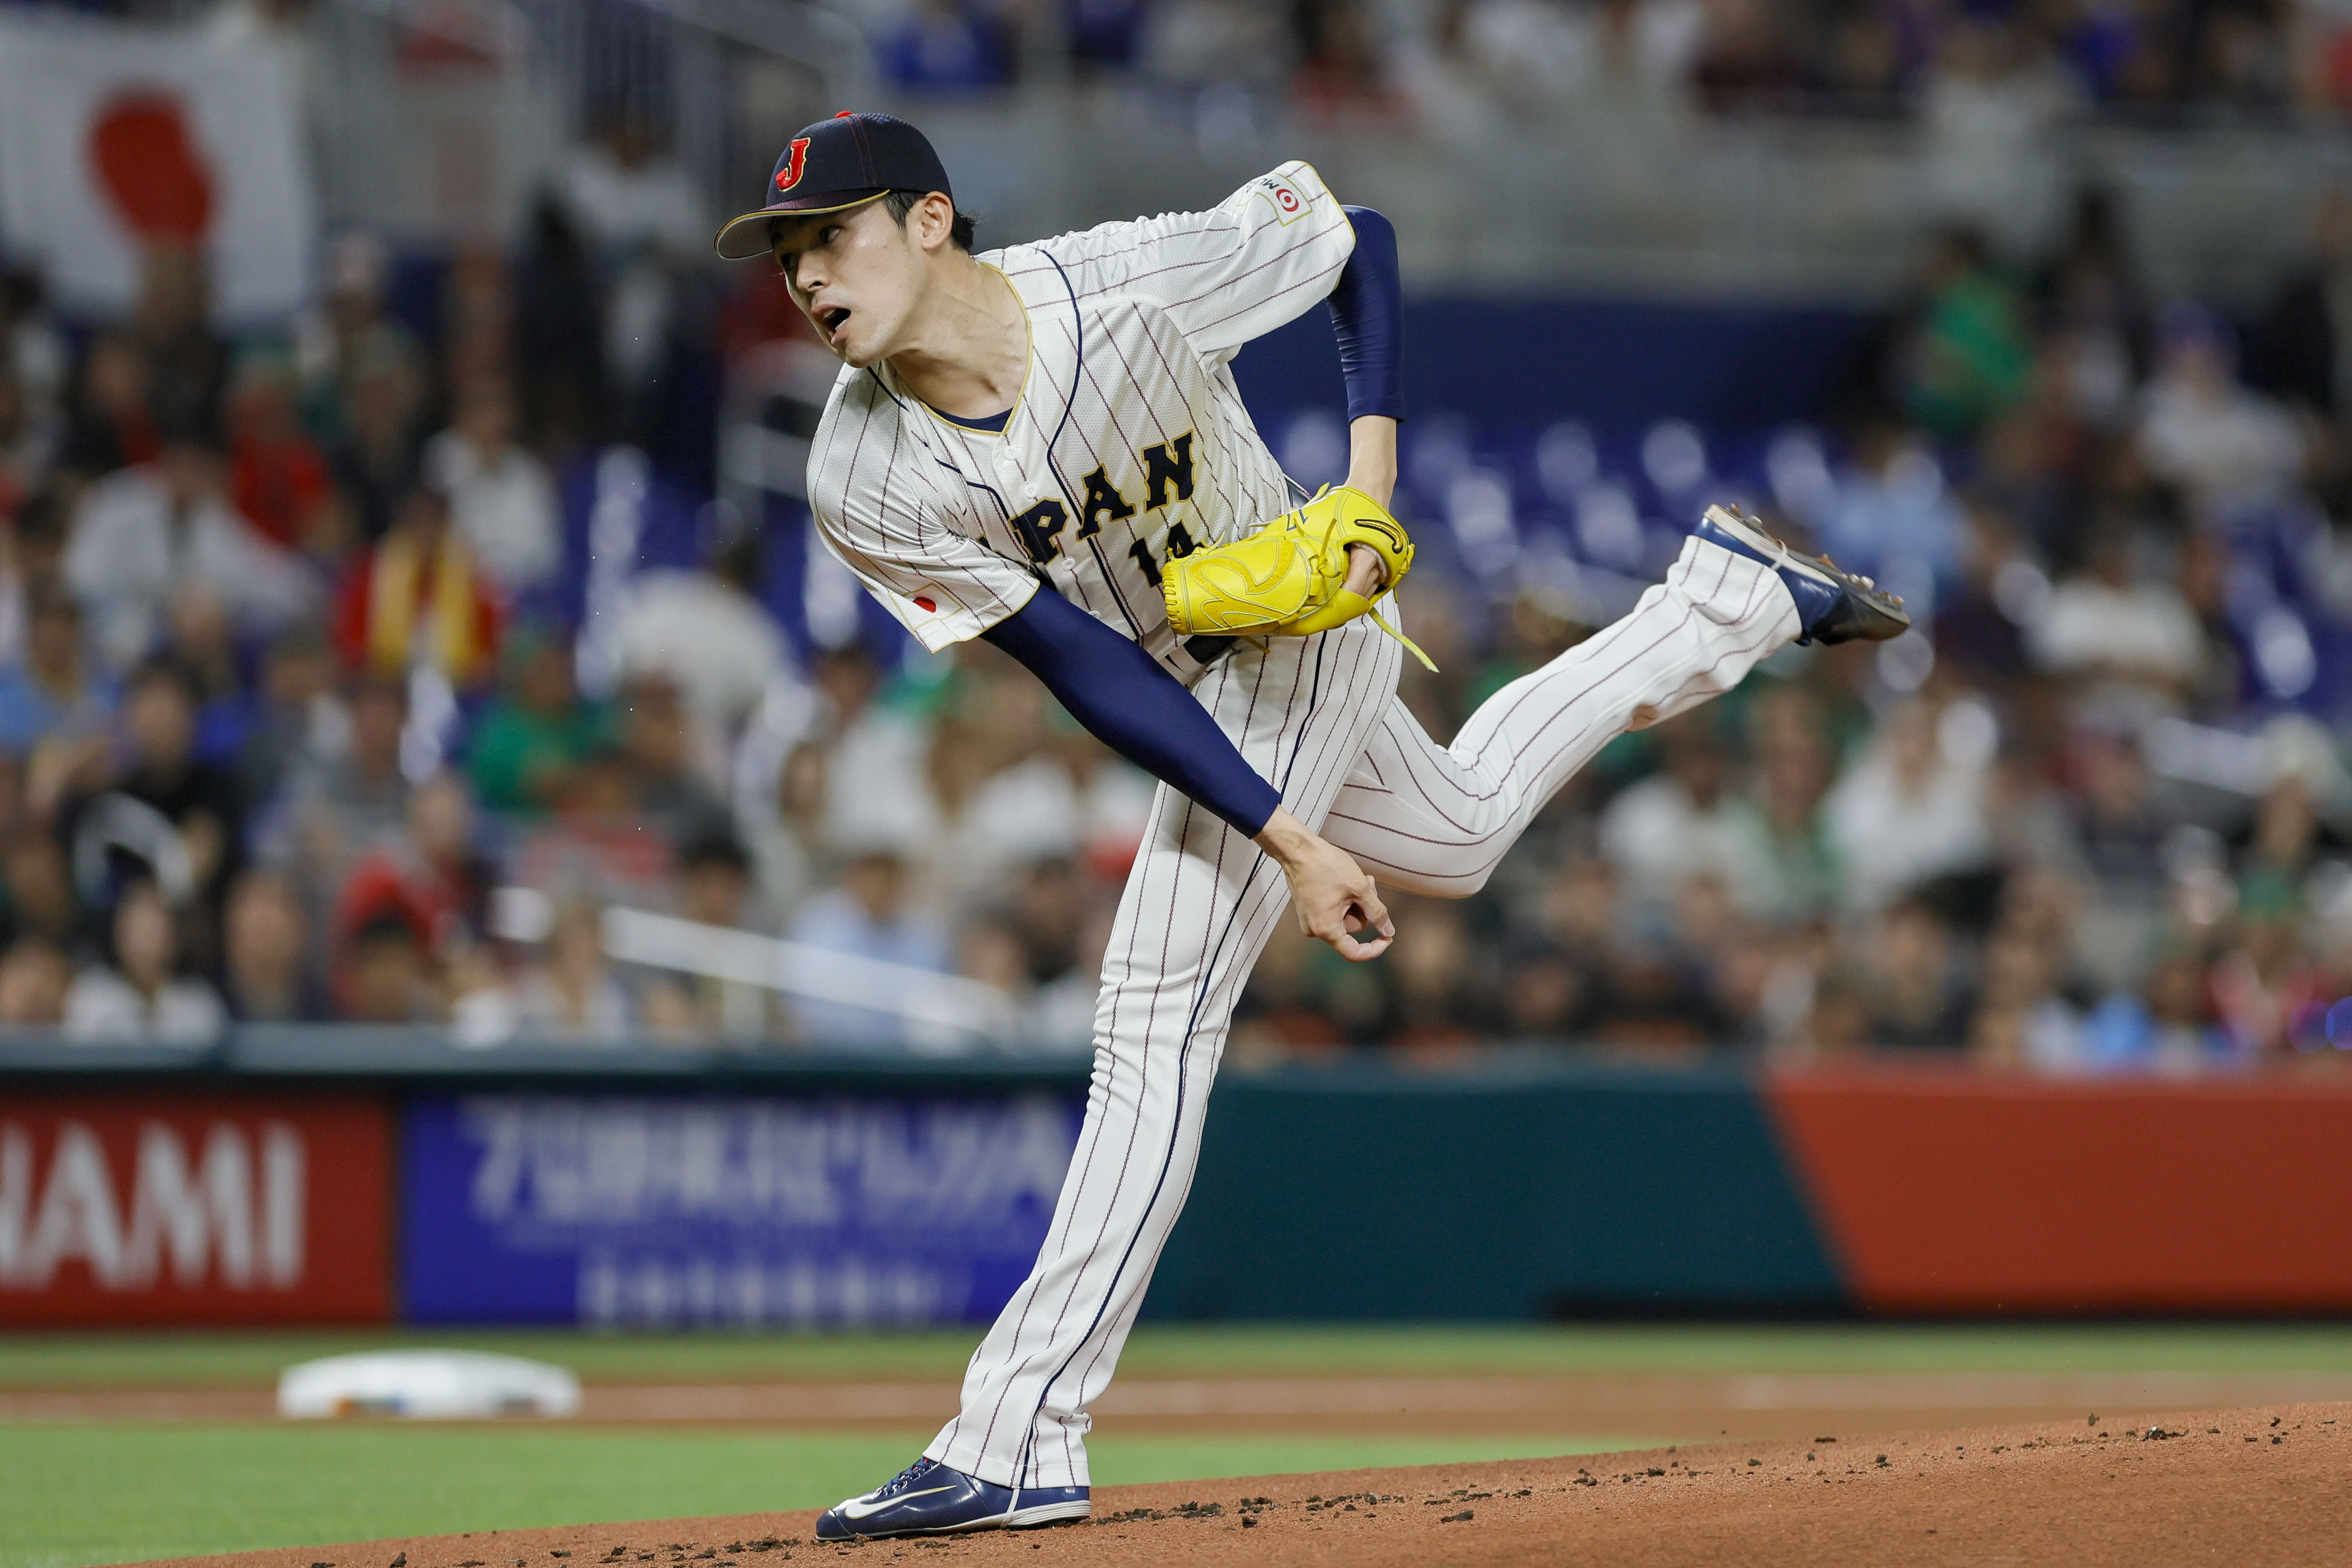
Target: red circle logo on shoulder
1287	198
790	174
926	603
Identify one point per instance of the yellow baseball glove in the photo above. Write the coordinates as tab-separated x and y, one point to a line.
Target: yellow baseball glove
1289	578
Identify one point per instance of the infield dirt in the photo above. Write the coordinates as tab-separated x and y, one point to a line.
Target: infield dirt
2260	1486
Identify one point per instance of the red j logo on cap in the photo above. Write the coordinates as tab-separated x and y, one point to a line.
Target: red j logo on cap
790	174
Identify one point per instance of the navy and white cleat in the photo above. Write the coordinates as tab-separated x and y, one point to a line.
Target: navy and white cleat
929	1499
1832	604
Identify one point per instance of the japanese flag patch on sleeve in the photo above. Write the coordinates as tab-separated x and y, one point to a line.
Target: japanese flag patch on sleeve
1290	200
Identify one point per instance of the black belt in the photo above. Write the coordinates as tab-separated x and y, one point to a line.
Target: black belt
1206	649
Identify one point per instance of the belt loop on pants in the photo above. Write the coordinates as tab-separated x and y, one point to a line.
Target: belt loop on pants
1206	648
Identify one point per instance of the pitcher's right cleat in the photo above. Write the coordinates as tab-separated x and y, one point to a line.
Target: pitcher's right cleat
929	1499
1832	604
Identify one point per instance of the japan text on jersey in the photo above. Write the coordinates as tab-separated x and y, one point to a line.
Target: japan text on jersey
1129	441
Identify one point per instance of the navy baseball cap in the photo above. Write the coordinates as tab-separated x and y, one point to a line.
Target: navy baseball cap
836	164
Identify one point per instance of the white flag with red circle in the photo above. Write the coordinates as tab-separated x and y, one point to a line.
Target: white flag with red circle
115	136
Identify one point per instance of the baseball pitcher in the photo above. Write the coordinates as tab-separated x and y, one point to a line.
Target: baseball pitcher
1042	446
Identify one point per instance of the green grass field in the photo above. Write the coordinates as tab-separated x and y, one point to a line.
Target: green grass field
200	1359
82	1494
73	1494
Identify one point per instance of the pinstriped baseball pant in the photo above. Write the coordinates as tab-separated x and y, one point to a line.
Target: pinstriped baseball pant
1319	717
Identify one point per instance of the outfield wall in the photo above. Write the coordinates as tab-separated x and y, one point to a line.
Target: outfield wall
370	1179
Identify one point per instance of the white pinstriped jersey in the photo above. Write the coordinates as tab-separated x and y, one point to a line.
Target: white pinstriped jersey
1128	439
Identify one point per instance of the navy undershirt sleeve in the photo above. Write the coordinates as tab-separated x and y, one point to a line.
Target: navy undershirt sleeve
1130	704
1367	316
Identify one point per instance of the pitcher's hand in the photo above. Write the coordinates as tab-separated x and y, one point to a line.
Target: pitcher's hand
1334	898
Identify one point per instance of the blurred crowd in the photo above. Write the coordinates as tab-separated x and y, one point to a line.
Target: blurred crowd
341	678
1466	65
2091	815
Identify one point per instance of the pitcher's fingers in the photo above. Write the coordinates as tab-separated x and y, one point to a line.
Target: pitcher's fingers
1376	913
1355	951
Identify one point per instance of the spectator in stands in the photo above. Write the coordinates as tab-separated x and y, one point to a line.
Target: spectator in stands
33	558
31	543
572	994
1789	842
1746	61
1723	954
40	890
477	320
1342	69
417	599
1906	811
1682	818
1989	107
386	975
1979	627
278	479
26	446
947	45
663	785
627	192
872	756
141	535
2119	828
427	874
110	424
339	808
299	722
1280	1016
2231	449
642	216
201	641
866	917
1542	996
1968	352
707	631
381	397
714	888
200	805
267	962
2095	313
2120	635
788	839
2021	1021
502	499
559	334
1915	994
2304	344
530	742
1893	516
2166	1027
34	977
448	874
55	694
141	996
1435	997
596	841
33	352
2277	861
1648	1003
1445	78
187	362
351	324
1229	57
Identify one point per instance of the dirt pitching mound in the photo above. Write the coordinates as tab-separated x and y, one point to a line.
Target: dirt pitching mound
2258	1486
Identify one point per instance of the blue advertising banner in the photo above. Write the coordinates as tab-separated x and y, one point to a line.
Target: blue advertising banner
645	1212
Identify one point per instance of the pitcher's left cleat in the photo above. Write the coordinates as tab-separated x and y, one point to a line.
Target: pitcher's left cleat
1832	604
929	1499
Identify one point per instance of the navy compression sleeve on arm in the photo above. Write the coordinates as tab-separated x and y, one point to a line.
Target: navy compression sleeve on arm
1134	707
1367	316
